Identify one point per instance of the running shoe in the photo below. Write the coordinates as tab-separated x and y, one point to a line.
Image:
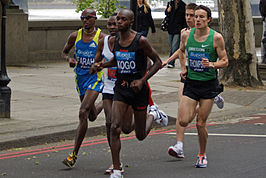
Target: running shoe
70	160
201	162
170	66
176	152
219	101
110	169
153	107
116	174
160	117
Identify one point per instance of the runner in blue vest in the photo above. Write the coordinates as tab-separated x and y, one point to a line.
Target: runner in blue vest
85	42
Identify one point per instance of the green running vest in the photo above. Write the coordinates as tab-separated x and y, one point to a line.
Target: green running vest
196	51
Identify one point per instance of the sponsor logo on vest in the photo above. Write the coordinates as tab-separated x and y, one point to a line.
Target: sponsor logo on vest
92	45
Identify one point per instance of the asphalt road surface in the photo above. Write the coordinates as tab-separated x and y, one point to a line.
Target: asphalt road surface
234	150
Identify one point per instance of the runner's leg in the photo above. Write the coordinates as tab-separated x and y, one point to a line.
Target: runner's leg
205	107
86	105
119	110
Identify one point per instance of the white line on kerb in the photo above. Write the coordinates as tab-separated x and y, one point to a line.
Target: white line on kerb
223	135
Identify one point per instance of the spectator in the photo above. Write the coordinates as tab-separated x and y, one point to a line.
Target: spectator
176	10
262	7
144	18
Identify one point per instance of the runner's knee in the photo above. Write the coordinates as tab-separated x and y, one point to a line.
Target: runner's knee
183	124
115	129
126	130
83	114
200	124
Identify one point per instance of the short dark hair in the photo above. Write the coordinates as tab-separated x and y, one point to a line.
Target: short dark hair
208	10
191	6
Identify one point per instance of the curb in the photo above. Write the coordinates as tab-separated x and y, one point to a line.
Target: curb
59	136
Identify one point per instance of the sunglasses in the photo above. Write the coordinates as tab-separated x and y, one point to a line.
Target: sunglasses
87	17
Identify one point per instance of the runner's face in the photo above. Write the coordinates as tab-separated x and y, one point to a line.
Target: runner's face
190	18
88	19
123	21
140	1
111	26
201	19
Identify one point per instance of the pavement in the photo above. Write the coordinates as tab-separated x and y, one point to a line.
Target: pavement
45	104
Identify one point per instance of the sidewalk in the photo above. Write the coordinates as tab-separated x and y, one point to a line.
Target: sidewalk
45	104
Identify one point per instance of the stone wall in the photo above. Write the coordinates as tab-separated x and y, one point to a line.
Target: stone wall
39	41
47	38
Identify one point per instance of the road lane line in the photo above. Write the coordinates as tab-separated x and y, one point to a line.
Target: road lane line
224	135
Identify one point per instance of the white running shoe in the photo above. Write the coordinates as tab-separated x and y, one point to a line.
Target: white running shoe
116	174
176	152
219	101
160	117
153	107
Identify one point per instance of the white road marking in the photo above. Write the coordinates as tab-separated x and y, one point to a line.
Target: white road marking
223	135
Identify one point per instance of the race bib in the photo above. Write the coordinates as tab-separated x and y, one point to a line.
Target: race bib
84	62
125	62
86	55
195	59
111	73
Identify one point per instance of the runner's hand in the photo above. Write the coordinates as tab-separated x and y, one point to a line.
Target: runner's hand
183	73
205	62
164	63
136	85
72	62
95	68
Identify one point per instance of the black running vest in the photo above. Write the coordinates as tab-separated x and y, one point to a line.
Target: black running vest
131	60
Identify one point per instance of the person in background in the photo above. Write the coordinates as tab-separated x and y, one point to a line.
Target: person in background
144	18
176	10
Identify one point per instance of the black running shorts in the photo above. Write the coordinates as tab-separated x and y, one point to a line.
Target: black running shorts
197	90
107	96
139	101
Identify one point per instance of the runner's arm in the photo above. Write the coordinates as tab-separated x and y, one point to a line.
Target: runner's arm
68	46
153	55
182	51
176	53
221	52
220	49
99	56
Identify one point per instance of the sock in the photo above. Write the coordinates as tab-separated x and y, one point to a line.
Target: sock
154	114
117	172
180	145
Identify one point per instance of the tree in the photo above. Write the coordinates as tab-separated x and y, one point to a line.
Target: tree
102	7
236	24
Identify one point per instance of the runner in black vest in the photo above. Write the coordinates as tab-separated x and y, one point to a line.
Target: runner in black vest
131	51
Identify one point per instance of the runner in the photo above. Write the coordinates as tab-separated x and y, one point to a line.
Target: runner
104	52
203	46
177	149
131	51
85	42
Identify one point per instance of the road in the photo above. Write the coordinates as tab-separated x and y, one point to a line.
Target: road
234	150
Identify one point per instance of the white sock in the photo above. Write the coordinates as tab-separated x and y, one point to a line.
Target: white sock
117	172
179	145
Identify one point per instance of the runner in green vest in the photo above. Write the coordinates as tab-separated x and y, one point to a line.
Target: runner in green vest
203	46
